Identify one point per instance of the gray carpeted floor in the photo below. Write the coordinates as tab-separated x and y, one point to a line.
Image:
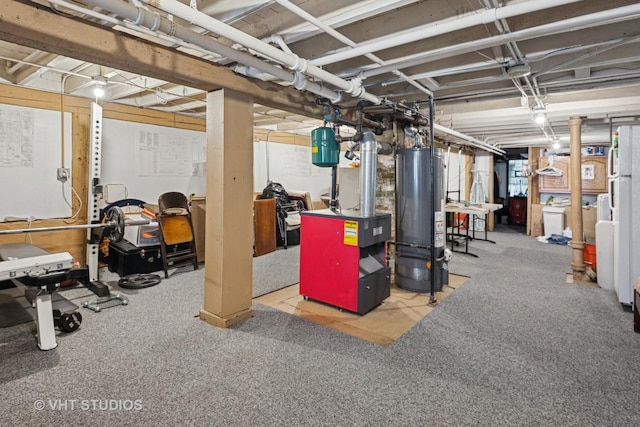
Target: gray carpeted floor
515	345
276	270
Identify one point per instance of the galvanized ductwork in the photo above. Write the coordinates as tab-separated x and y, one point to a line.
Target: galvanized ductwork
368	166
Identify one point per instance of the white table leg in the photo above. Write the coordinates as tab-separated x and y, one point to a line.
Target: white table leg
44	322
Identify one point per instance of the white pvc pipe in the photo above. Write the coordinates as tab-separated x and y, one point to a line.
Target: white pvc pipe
337	18
441	27
571	24
471	140
155	22
15	67
340	37
294	62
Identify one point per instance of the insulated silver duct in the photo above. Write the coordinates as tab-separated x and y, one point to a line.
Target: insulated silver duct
368	166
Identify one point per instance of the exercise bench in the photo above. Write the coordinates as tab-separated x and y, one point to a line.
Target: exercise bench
42	273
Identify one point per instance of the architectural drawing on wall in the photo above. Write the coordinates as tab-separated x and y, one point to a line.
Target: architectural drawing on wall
297	162
159	154
16	137
134	155
32	145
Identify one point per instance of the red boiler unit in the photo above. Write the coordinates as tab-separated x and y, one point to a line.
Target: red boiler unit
343	259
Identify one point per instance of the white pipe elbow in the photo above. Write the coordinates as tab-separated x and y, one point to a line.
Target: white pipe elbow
300	64
299	81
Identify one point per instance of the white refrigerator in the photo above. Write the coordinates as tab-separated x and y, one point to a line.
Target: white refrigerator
624	196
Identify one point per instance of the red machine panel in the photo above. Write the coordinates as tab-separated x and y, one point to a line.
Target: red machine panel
328	267
342	259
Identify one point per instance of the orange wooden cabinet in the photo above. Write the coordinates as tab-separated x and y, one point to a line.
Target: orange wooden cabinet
594	175
264	223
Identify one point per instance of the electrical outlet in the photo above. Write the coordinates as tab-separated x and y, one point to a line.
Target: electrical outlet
64	174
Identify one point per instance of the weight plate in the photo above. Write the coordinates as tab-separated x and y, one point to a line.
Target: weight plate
115	224
69	322
139	281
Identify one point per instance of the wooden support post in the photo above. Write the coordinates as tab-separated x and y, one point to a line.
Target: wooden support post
491	223
229	209
468	176
533	189
577	241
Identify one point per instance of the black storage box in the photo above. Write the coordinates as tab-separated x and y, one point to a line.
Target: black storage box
126	258
293	237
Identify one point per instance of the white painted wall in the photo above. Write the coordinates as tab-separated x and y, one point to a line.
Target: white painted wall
455	174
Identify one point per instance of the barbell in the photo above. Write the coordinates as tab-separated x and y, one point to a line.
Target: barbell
113	226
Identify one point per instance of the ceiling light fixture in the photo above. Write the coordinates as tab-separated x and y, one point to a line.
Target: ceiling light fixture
518	70
539	116
100	83
98	91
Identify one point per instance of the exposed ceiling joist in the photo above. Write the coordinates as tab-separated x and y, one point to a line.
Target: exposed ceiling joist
38	28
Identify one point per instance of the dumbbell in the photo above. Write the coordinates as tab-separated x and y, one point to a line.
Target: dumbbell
67	322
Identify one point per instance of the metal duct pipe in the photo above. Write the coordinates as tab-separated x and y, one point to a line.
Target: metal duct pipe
154	22
368	166
441	27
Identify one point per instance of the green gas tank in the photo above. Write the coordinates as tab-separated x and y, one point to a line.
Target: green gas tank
325	150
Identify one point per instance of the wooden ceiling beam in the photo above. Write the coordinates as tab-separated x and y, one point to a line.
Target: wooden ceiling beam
33	26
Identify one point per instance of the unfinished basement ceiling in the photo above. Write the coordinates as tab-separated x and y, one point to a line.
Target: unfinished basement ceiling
491	65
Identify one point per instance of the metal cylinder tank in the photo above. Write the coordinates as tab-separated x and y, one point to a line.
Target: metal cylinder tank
325	150
415	218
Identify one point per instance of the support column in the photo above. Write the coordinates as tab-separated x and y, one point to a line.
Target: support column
229	234
577	241
469	160
533	189
491	223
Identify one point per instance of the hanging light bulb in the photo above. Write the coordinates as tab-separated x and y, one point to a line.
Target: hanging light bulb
100	83
539	117
98	92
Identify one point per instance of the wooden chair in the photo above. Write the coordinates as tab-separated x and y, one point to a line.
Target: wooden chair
177	240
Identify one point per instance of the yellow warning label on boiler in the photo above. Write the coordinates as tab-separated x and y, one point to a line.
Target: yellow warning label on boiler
314	149
351	233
